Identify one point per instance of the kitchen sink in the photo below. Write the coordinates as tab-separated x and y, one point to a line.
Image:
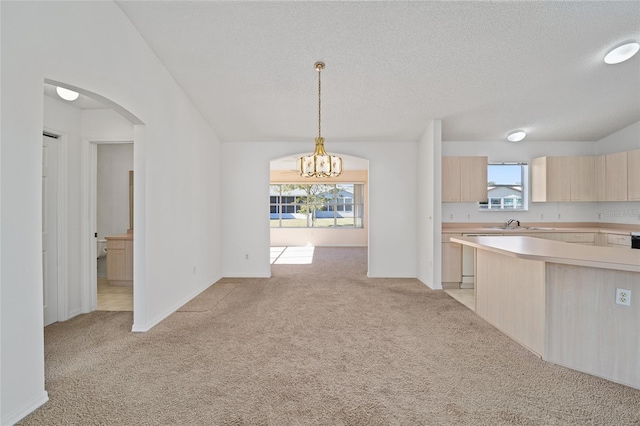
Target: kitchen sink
506	228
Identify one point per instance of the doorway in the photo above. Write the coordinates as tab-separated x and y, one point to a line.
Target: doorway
71	121
50	227
112	216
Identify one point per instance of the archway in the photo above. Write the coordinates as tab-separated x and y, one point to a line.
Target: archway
307	212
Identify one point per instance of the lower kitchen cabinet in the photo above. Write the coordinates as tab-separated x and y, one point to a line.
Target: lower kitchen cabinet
451	262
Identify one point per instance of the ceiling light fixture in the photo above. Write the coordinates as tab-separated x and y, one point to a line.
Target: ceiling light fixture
66	94
319	164
516	136
621	53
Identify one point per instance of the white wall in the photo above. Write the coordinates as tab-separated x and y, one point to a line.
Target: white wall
620	212
114	163
92	46
624	139
429	196
392	236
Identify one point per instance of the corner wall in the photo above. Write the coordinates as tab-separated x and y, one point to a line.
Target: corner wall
392	236
93	46
429	195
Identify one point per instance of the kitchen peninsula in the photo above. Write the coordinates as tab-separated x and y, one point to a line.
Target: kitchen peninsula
559	300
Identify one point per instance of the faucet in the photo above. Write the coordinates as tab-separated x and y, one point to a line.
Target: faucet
510	221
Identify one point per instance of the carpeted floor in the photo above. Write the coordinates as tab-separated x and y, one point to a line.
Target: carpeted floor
317	344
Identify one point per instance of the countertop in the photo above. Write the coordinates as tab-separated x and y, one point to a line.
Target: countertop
556	252
128	236
528	228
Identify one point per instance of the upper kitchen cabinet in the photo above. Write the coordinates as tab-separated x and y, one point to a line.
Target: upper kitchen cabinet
601	178
551	179
583	178
464	179
633	175
616	176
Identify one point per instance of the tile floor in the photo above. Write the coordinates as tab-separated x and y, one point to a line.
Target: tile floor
114	298
466	296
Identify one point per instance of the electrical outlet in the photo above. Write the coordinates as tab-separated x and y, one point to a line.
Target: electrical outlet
558	215
541	215
623	297
246	256
451	216
468	215
195	270
599	216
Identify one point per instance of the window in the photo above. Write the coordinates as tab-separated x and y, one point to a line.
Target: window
507	187
316	205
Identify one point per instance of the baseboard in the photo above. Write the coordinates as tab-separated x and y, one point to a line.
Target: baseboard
138	328
16	415
73	313
245	275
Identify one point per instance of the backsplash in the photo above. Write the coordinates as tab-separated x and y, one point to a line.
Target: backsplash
605	212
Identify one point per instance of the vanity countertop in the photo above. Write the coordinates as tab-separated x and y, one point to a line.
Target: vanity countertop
127	236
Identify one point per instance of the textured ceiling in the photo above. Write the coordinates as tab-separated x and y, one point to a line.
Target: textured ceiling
483	68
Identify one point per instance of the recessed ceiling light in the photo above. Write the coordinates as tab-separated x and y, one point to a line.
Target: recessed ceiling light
621	53
516	136
66	94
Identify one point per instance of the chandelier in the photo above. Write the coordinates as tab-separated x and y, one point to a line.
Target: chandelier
319	164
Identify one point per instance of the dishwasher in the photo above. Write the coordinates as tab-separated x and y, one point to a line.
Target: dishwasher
635	240
469	262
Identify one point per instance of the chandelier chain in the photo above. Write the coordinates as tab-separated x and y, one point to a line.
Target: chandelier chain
319	101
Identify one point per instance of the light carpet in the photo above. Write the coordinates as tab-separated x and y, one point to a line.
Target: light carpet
317	344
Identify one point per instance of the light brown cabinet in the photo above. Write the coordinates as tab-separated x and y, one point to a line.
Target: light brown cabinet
551	179
620	241
600	183
616	176
120	260
583	178
633	175
451	262
464	179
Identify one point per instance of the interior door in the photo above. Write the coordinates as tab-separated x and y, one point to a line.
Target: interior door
49	229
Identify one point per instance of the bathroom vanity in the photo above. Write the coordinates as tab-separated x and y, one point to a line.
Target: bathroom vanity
120	259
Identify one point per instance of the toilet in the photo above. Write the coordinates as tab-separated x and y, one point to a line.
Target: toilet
102	248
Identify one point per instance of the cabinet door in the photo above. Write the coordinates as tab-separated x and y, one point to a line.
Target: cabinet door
450	179
633	175
616	176
116	262
558	178
600	178
451	263
583	178
551	179
128	260
539	179
473	179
